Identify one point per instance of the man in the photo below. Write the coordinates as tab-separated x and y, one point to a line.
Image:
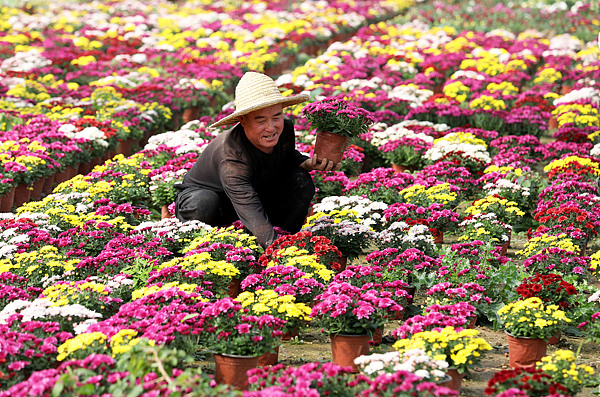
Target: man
252	171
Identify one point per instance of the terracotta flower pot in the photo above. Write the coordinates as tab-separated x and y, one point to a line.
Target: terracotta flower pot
330	146
472	321
95	161
234	287
554	339
525	352
86	167
7	200
343	263
439	238
289	335
411	291
191	113
377	336
398	314
552	123
345	348
48	184
504	247
400	168
269	358
232	370
66	174
22	194
455	381
164	212
38	187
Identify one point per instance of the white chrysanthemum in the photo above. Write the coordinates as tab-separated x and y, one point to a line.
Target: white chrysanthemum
396	132
595	297
25	61
41	308
7	250
585	93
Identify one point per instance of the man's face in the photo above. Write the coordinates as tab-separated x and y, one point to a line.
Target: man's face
263	127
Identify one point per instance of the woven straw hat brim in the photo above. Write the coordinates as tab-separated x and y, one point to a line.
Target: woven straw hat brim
285	101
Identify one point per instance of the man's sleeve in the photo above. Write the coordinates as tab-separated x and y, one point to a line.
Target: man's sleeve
235	177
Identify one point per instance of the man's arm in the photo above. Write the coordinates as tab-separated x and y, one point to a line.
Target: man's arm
235	177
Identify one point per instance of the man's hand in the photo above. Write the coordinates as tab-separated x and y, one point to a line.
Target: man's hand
324	165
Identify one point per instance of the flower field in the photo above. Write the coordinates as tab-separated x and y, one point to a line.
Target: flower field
467	213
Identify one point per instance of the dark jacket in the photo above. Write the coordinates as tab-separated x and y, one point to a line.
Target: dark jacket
232	165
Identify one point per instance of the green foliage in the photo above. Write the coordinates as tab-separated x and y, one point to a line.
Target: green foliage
145	370
139	270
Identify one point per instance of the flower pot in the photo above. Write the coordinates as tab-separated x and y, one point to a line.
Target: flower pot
345	348
552	123
124	147
455	381
471	321
38	187
565	89
22	194
525	352
398	314
343	263
377	336
85	168
504	248
48	184
109	155
164	212
64	175
232	370
73	171
95	161
269	358
7	200
190	114
553	340
411	291
290	334
439	238
234	287
400	168
330	146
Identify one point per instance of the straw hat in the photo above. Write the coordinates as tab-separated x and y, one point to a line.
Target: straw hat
257	91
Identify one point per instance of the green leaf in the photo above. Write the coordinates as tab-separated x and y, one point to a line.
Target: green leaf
86	390
58	388
193	315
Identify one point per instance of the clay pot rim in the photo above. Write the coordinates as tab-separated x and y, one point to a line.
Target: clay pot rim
234	355
349	335
520	337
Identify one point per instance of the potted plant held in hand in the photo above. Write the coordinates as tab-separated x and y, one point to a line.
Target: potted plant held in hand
336	121
351	315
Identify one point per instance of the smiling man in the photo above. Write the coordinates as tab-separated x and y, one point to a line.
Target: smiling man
252	171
